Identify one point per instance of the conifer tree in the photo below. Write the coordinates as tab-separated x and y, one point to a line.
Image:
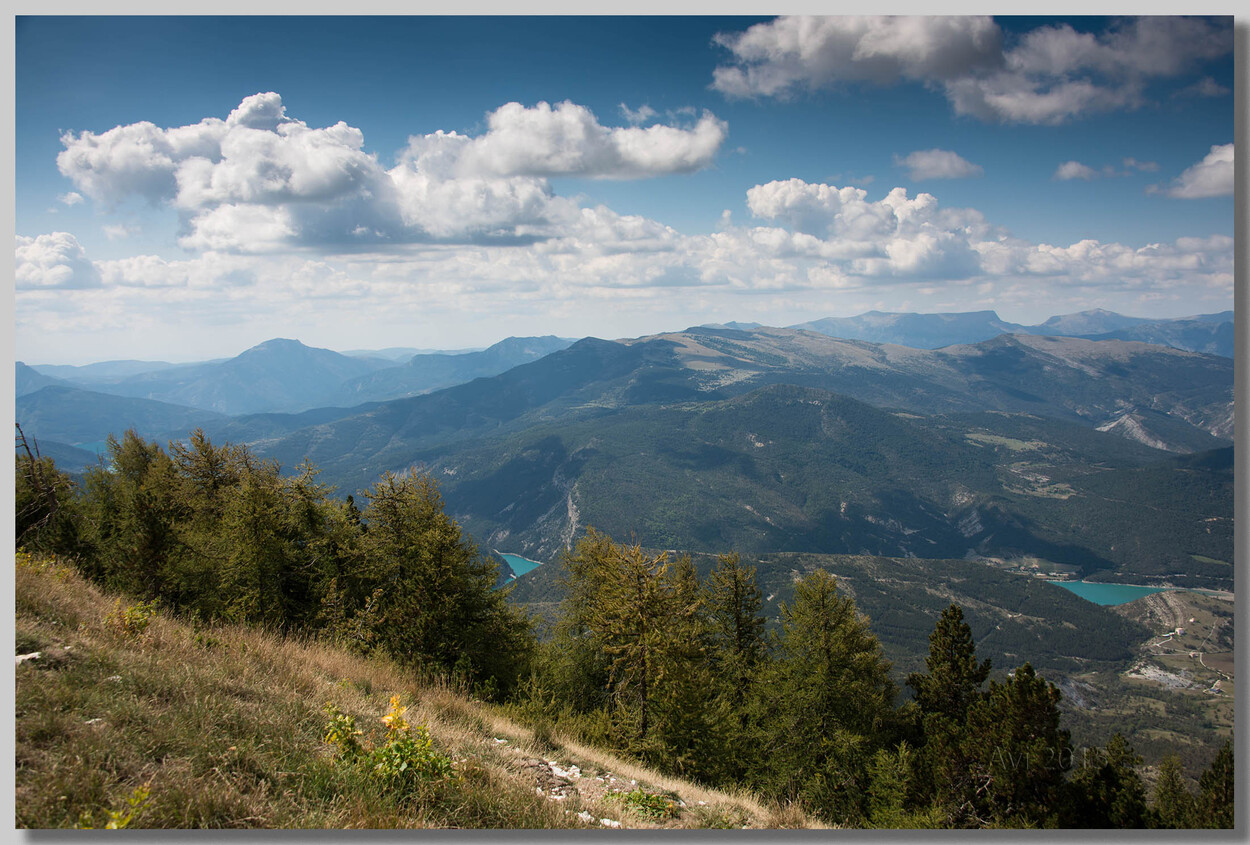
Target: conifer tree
735	627
692	725
828	702
633	621
736	651
574	664
1105	790
1018	753
638	617
433	601
1216	795
133	516
942	696
1173	806
955	677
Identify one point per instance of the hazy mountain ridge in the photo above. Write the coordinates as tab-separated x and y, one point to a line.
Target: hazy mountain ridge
924	331
104	372
425	373
1169	398
29	380
279	374
74	416
783	439
285	376
1209	333
617	435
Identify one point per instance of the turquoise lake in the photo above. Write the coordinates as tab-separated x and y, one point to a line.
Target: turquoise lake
1107	594
520	565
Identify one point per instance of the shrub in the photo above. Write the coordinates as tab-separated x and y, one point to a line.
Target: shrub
405	758
121	818
131	621
341	732
651	805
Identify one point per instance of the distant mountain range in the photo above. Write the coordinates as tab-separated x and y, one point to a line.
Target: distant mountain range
714	438
285	376
432	371
1210	333
1065	449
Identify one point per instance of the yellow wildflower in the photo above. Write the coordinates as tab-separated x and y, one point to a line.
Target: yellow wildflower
394	720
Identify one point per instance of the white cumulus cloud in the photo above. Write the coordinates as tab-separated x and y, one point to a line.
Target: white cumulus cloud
894	236
775	58
1052	74
639	115
938	164
55	260
1211	177
261	180
1070	170
567	140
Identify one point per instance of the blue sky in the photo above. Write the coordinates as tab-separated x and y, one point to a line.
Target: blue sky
189	187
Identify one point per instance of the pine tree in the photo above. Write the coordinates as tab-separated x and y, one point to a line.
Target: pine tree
133	515
432	601
637	617
1106	791
736	651
735	627
942	697
1173	806
955	677
692	725
633	622
825	704
1018	753
1216	795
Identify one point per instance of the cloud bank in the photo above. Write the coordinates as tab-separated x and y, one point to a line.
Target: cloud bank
811	237
260	180
54	261
285	218
1050	75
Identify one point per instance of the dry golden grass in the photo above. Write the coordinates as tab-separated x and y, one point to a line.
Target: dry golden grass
225	725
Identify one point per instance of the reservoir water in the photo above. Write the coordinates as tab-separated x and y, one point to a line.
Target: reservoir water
520	565
1107	594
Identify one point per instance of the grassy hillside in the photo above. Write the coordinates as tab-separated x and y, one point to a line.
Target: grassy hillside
135	717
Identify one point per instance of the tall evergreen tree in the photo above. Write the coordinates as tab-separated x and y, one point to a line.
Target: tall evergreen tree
1018	753
1216	795
736	651
433	601
634	622
133	518
735	625
1105	790
954	679
825	704
1173	806
943	695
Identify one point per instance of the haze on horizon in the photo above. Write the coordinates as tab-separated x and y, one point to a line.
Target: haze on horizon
361	183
